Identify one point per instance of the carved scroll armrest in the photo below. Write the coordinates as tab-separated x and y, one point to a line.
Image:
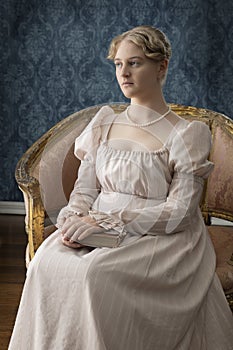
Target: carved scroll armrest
35	212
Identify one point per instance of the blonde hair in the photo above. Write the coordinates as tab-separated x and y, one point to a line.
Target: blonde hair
153	42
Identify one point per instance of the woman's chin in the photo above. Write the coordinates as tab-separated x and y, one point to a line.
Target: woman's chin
127	94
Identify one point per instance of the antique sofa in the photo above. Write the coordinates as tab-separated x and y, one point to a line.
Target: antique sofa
47	171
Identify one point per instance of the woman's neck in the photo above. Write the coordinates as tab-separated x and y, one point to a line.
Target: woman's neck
157	104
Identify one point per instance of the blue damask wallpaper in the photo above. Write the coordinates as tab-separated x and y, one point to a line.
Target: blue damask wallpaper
52	62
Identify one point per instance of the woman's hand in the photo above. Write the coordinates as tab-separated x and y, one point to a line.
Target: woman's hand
77	228
69	244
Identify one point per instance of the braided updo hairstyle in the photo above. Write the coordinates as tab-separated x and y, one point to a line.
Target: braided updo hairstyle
153	42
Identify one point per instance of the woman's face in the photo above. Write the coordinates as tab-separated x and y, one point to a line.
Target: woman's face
138	76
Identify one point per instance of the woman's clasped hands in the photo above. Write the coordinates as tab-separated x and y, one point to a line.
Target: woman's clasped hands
76	228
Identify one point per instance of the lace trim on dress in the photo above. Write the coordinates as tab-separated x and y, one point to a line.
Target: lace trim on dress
107	147
108	222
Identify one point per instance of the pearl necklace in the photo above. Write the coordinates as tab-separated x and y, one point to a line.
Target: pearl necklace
149	123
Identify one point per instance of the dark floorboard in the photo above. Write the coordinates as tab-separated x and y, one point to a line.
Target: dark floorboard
13	242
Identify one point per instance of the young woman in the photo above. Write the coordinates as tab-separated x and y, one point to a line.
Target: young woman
141	171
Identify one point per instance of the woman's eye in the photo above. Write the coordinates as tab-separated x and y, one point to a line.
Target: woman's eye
118	64
134	63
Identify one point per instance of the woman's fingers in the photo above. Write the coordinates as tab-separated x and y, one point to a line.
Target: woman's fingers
71	244
72	228
84	231
70	219
77	221
70	222
89	231
77	228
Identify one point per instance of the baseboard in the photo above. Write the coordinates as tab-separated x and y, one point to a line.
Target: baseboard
15	208
217	221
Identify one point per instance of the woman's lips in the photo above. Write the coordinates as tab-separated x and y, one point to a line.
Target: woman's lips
127	83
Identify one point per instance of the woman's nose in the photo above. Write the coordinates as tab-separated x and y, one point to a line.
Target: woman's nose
125	71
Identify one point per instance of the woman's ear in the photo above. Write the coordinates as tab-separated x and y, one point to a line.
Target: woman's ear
163	66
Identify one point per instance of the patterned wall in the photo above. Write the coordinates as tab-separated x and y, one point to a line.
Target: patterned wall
53	62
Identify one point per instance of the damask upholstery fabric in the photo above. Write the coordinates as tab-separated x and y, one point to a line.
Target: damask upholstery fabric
223	243
220	193
69	172
53	63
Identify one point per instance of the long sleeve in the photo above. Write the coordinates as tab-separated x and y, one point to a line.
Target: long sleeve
189	149
86	187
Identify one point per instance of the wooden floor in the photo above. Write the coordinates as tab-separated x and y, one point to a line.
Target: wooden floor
12	272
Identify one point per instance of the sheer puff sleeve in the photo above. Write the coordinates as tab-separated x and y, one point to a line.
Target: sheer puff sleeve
189	148
86	187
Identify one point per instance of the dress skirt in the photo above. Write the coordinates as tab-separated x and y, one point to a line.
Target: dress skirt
135	297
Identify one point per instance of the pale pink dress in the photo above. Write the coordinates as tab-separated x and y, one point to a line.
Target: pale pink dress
159	290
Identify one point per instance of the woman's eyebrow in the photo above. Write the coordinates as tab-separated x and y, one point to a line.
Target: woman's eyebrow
130	58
